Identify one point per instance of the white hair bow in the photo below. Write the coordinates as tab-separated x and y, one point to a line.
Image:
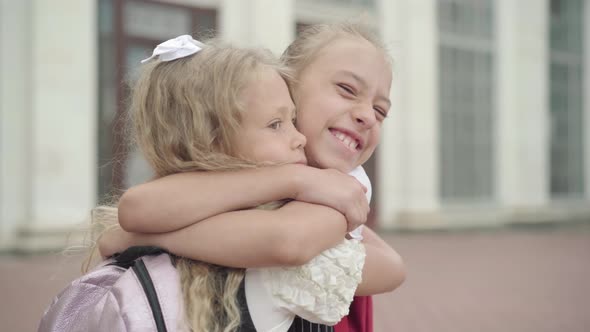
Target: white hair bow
176	48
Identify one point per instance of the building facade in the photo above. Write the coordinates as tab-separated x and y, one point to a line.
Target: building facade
489	125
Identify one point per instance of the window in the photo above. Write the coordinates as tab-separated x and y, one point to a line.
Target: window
128	32
466	89
566	98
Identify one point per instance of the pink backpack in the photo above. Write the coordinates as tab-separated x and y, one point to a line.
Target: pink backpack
138	290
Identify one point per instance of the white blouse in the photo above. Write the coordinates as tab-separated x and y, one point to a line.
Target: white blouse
319	291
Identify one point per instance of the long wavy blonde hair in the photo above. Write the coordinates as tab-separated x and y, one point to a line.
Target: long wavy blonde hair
184	117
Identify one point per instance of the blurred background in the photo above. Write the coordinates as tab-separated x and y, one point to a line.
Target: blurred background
481	181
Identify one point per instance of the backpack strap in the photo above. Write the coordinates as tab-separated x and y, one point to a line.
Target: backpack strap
127	258
148	287
132	258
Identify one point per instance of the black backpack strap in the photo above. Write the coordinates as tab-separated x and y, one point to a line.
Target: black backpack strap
127	258
132	258
246	323
150	291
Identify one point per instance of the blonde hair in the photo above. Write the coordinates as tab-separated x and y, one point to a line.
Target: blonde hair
185	115
312	39
186	112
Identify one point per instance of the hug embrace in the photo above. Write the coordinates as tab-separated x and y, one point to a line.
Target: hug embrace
259	199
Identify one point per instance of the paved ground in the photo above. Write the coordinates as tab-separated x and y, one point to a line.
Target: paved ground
516	280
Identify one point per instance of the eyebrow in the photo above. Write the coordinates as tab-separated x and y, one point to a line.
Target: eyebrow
362	82
285	109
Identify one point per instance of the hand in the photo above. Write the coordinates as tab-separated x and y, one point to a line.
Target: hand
337	190
114	240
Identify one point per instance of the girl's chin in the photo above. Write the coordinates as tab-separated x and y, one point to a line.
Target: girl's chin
335	159
344	166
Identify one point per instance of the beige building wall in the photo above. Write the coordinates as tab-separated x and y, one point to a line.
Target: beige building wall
48	120
587	95
15	119
49	107
408	151
409	164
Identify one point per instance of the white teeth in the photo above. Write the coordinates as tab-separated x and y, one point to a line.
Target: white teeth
347	141
350	142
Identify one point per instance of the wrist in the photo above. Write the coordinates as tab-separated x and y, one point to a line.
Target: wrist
296	175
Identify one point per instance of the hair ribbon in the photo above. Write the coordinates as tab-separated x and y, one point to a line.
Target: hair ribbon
176	48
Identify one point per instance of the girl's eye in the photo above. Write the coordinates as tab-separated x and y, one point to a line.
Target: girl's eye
346	88
275	125
382	113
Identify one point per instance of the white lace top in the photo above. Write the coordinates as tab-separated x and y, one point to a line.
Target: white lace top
320	291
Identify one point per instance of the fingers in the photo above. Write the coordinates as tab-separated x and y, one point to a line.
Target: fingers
360	210
337	190
357	214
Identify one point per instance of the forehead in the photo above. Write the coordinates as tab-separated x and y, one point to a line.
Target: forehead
265	93
339	47
354	55
260	82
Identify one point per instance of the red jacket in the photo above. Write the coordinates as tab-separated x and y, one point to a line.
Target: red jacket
360	318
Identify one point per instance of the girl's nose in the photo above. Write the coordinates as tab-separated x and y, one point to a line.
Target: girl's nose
364	115
299	140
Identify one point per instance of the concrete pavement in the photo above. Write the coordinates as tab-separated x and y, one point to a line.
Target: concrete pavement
513	279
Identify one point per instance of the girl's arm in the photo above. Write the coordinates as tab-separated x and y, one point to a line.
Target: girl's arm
288	236
384	269
179	200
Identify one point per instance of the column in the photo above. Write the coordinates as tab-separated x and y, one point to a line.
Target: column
408	163
15	118
522	107
63	118
390	149
586	82
266	23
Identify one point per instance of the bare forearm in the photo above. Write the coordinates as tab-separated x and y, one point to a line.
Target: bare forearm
384	269
179	200
256	238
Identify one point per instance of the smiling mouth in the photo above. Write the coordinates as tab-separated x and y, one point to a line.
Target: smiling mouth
350	142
